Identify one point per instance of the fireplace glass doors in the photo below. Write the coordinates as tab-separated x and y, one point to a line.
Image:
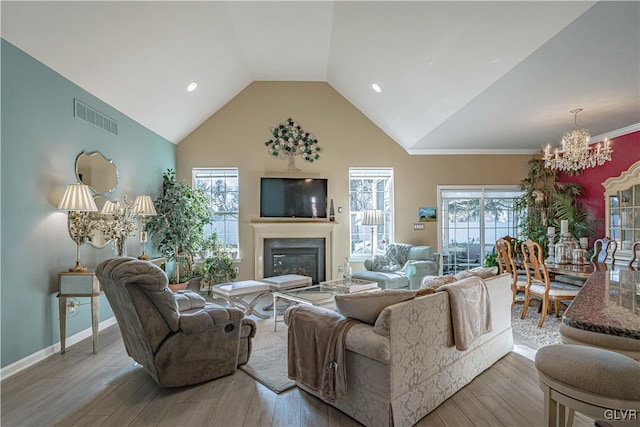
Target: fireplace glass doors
305	257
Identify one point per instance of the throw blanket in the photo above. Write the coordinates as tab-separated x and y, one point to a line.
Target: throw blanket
316	347
470	310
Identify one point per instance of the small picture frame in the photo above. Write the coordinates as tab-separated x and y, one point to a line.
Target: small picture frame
427	214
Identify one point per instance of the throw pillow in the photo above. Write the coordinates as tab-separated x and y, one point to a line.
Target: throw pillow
366	306
435	282
424	291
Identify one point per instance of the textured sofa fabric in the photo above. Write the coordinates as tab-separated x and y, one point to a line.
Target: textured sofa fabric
405	365
402	266
175	347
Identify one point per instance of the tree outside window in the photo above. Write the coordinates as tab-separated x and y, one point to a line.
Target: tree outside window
222	190
370	189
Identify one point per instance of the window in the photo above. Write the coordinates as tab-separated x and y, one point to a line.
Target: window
370	189
471	220
221	187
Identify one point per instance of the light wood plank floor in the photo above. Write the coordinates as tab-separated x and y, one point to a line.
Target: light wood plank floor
108	388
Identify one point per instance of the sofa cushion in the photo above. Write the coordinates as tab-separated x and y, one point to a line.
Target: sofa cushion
482	272
366	306
420	253
436	281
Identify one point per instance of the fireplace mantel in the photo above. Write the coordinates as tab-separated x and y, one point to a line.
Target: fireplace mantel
296	229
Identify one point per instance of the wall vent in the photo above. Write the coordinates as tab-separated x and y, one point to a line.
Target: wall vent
94	117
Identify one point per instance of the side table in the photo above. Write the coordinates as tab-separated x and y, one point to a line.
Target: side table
81	284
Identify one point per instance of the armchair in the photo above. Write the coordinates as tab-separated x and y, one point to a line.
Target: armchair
177	340
402	266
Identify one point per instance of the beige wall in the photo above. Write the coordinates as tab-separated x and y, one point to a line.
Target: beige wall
235	136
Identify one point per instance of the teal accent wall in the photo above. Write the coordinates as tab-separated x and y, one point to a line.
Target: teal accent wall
40	141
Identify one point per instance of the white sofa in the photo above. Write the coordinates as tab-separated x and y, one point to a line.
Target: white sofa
405	365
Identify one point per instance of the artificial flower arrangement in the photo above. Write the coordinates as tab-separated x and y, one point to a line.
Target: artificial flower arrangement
121	225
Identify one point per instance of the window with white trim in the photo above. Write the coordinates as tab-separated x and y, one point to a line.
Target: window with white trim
222	189
471	220
370	188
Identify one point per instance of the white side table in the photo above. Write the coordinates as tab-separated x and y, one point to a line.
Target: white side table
82	284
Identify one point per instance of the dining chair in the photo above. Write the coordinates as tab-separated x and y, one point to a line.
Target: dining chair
602	249
634	254
507	264
539	285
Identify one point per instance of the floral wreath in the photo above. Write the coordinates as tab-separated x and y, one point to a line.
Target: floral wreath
289	139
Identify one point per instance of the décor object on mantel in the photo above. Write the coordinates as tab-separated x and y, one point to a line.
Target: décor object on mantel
77	200
121	223
576	154
545	202
290	140
177	229
143	207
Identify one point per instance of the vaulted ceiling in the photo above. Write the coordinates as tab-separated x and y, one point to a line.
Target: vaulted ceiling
455	77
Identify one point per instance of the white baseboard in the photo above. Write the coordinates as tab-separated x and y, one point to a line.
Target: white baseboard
39	356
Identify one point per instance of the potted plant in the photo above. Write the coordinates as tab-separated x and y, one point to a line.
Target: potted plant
182	213
218	268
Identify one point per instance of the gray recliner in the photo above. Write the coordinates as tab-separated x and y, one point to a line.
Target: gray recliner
176	338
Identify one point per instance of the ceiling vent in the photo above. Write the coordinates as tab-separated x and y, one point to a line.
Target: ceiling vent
94	117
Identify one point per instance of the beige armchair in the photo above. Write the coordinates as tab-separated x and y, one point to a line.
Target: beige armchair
175	341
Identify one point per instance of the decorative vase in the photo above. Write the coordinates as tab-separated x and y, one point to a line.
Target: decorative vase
121	247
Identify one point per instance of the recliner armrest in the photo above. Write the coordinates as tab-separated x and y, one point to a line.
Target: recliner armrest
209	318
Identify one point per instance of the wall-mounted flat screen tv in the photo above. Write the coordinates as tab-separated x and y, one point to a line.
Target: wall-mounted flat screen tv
293	197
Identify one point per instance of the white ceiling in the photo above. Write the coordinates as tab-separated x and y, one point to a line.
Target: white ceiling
461	77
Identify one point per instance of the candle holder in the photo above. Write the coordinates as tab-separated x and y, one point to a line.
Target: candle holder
551	234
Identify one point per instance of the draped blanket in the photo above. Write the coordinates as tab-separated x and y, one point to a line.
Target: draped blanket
316	349
470	310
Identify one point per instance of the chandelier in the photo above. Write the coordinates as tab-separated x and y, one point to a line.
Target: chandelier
576	154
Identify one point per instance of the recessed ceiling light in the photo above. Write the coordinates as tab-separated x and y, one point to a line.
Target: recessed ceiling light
375	87
192	86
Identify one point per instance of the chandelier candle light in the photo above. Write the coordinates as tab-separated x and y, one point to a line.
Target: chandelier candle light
576	154
143	207
77	198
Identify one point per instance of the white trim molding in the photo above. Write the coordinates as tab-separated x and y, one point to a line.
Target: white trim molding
39	356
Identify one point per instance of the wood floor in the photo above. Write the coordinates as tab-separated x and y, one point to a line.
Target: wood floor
108	388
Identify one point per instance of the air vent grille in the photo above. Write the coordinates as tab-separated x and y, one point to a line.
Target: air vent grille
94	117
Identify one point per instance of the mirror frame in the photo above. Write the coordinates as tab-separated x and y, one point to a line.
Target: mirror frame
108	161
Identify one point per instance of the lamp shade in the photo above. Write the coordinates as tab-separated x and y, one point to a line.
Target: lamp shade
143	206
109	207
373	217
77	197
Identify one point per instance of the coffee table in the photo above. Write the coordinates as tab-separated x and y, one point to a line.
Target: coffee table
313	295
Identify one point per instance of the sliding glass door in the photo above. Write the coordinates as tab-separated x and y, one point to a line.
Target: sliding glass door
471	220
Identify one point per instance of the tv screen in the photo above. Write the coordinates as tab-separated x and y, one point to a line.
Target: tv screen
293	197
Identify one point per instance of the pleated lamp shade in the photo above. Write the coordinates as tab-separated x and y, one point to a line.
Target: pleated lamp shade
109	207
143	206
373	217
77	197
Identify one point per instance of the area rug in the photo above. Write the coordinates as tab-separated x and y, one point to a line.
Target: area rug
268	361
528	328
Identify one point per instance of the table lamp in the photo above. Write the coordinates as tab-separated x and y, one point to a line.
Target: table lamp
77	198
373	217
143	207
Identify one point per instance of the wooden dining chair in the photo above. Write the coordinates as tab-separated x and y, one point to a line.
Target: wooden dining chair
539	285
634	254
603	250
507	264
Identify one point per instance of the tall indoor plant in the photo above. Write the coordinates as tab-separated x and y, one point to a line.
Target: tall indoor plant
182	213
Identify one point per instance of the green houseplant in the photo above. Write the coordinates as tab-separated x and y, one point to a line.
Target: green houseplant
545	202
218	268
182	213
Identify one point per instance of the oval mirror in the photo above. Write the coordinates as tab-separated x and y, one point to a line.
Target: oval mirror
96	171
91	225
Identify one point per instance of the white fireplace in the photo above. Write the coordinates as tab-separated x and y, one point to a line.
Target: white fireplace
292	230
